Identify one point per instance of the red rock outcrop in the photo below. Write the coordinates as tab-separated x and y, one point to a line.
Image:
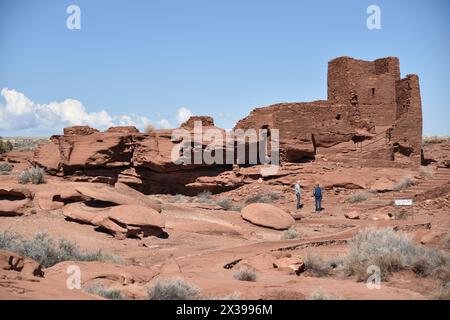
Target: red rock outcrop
371	117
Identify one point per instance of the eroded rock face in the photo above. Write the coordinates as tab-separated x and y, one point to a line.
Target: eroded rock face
267	215
11	261
15	201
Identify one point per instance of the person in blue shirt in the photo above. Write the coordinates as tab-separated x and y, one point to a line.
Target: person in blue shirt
317	194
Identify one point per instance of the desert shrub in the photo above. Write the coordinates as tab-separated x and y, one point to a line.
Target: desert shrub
181	198
173	289
99	290
35	175
204	197
290	233
358	197
404	183
273	196
24	177
245	273
446	240
149	129
427	172
225	204
5	146
259	198
391	251
43	249
321	295
442	294
317	265
5	168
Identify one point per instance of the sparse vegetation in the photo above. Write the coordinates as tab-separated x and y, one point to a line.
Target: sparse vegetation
317	266
442	294
245	273
173	289
358	197
321	295
446	240
290	233
404	183
5	168
21	143
180	198
99	290
391	251
35	175
435	139
5	146
427	172
225	204
204	197
259	198
43	249
24	177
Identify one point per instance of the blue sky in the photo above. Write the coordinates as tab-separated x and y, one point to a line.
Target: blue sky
222	58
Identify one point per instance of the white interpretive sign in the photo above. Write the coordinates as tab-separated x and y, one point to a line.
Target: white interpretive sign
403	202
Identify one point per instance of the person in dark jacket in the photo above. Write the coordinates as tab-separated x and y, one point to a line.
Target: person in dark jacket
317	194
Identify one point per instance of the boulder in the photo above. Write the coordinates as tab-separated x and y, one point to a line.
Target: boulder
267	215
383	184
121	194
296	264
352	215
121	221
11	261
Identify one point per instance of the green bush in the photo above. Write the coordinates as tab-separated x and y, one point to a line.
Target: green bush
43	249
5	146
173	289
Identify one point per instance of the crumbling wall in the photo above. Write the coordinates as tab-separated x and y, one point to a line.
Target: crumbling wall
368	85
407	129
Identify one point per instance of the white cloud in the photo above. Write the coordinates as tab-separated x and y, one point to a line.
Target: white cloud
164	124
20	113
183	114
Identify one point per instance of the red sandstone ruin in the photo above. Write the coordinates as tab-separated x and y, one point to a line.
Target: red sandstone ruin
372	117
